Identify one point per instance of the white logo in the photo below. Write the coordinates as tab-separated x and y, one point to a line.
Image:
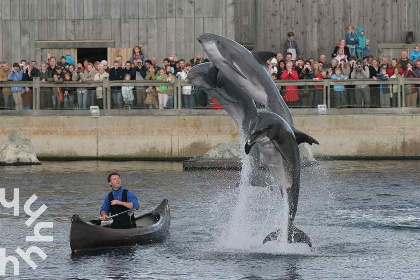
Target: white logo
37	237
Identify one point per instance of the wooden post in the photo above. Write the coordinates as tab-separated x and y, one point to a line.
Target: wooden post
400	86
328	102
401	98
36	94
179	93
105	83
324	91
108	94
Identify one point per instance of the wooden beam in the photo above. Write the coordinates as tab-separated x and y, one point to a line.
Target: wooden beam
75	44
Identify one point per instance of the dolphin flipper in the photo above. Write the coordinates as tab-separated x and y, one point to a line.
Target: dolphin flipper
272	236
302	137
263	56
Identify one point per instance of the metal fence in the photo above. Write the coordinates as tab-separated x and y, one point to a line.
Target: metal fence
327	88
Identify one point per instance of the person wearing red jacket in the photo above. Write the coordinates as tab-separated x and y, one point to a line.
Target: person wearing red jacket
394	64
291	97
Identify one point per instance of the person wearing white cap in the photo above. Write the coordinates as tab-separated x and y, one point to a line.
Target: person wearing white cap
272	66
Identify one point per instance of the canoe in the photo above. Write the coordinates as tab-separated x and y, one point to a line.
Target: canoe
151	227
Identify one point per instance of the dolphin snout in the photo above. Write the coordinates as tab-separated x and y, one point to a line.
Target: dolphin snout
199	39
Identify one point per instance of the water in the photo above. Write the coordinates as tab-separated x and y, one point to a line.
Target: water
363	218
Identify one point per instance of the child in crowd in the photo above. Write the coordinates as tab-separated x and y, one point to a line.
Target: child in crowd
56	93
171	90
27	96
341	46
366	52
127	92
352	40
137	54
415	54
384	89
394	92
360	48
162	90
291	46
339	89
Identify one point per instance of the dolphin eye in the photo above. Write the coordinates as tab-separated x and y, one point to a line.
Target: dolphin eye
218	41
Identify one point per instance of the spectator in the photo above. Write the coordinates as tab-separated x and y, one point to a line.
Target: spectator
137	54
384	90
96	65
105	65
394	64
27	99
320	74
100	76
127	92
69	93
53	67
119	58
291	96
115	74
384	62
394	88
78	76
89	75
151	100
323	60
59	72
56	95
362	92
167	65
279	56
374	89
16	75
151	73
171	90
361	46
299	65
63	62
45	98
154	63
410	91
4	76
141	93
351	95
281	68
272	66
85	64
339	90
30	72
415	54
352	40
187	97
366	52
340	55
345	50
162	90
306	93
291	46
129	70
70	59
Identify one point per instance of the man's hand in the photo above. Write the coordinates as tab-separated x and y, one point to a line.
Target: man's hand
116	202
105	217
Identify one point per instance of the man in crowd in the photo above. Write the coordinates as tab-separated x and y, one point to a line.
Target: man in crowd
404	60
45	98
52	69
116	74
4	74
16	75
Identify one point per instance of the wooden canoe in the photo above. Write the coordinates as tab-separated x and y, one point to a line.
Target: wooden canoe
151	227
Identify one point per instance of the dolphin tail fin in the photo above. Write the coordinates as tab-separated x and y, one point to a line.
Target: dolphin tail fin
302	137
295	235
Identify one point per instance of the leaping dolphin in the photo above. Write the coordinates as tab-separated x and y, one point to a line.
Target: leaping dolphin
246	75
277	143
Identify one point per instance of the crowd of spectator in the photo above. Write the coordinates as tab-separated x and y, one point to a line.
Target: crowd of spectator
350	59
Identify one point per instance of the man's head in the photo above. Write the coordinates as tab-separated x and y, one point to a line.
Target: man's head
5	65
53	61
404	54
43	67
394	62
182	63
128	65
114	180
289	57
417	48
116	64
154	61
323	58
279	56
418	63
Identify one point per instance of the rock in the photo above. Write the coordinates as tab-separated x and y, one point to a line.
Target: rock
224	151
17	150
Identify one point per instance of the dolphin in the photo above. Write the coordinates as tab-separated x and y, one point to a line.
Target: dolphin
240	107
277	143
246	72
247	75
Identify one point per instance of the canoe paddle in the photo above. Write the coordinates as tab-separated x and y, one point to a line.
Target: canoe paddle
101	222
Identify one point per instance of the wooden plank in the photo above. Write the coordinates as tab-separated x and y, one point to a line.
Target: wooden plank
33	9
88	9
188	10
125	33
198	30
51	10
199	8
161	40
134	32
1	42
209	8
106	24
260	28
5	9
69	8
190	36
98	9
180	38
78	9
116	32
79	33
33	36
61	9
75	44
14	10
52	29
43	29
171	47
116	9
161	10
143	5
219	8
151	8
15	29
23	9
151	49
70	29
106	9
61	29
24	39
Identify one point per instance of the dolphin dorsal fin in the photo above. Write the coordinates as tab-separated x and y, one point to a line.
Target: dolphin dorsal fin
302	137
263	56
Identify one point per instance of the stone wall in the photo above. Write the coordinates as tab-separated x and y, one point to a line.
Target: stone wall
181	136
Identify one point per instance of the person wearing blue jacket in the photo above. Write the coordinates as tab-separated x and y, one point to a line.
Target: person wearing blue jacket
351	40
361	46
339	89
415	54
16	75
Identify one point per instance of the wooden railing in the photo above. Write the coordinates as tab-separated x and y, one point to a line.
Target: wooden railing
106	85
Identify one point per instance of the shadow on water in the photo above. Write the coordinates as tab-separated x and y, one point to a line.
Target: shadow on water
109	252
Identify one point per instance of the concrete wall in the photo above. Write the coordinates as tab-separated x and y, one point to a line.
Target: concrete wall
180	136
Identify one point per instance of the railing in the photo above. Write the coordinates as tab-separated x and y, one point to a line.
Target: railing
106	85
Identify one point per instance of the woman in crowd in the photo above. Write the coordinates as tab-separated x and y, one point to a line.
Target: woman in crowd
100	76
341	46
306	93
410	91
318	89
394	88
291	96
374	89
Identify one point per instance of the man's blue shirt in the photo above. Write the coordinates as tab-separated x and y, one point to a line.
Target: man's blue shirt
131	197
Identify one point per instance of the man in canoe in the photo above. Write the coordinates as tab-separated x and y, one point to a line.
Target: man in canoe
117	201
